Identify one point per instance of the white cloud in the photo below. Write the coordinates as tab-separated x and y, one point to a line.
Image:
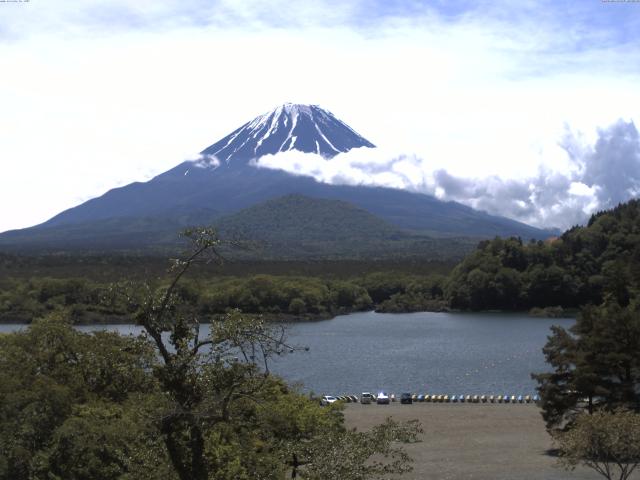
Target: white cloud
360	166
594	177
205	161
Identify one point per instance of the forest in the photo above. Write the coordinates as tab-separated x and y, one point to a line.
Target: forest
274	296
79	406
171	404
585	265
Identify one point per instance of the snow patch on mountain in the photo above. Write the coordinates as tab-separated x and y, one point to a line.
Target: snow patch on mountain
304	128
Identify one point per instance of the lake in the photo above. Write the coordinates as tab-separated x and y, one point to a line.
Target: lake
445	353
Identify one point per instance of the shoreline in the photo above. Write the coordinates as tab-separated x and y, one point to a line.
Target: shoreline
290	318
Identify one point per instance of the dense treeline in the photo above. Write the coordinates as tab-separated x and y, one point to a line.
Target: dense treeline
84	301
583	266
586	265
275	296
112	268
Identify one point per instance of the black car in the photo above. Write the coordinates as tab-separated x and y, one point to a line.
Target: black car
406	398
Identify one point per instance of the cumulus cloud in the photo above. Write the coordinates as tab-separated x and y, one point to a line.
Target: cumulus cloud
361	166
549	199
613	164
598	176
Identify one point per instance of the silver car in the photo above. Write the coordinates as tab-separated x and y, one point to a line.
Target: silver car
366	398
327	400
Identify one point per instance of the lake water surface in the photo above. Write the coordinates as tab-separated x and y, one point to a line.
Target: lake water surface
447	353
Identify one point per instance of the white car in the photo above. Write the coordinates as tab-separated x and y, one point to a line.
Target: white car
327	400
366	397
382	398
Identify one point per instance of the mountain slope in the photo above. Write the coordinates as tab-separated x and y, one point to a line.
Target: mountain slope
150	234
296	226
225	181
288	227
304	218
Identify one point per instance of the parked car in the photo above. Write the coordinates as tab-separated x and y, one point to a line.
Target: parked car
327	400
366	398
406	398
382	398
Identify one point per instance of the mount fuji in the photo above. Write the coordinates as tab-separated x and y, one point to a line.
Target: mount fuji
224	181
306	128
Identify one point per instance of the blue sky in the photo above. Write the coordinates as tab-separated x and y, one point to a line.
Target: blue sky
611	21
506	106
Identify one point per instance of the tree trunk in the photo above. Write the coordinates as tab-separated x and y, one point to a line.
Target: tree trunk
187	459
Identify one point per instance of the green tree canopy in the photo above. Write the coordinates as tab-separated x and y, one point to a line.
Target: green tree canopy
596	364
607	442
171	404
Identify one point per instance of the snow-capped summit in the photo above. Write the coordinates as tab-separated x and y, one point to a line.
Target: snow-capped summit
306	128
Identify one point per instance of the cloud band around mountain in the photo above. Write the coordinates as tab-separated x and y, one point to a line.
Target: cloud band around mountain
600	176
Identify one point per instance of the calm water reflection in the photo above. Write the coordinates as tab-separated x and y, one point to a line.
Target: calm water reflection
421	352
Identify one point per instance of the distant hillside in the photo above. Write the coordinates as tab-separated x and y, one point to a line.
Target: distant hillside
144	235
296	226
292	227
296	217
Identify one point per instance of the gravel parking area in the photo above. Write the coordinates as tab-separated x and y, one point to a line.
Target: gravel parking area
473	441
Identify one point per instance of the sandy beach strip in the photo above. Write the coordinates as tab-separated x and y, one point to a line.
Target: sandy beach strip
473	441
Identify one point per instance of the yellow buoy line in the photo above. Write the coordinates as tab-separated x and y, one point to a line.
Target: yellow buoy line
438	398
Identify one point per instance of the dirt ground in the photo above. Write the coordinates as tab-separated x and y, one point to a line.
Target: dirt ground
473	441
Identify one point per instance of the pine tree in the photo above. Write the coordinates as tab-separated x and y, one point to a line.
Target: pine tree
596	364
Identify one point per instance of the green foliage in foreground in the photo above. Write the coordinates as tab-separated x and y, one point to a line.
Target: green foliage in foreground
74	405
596	364
607	442
172	405
93	406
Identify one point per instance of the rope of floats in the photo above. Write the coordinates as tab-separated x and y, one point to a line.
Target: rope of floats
437	398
